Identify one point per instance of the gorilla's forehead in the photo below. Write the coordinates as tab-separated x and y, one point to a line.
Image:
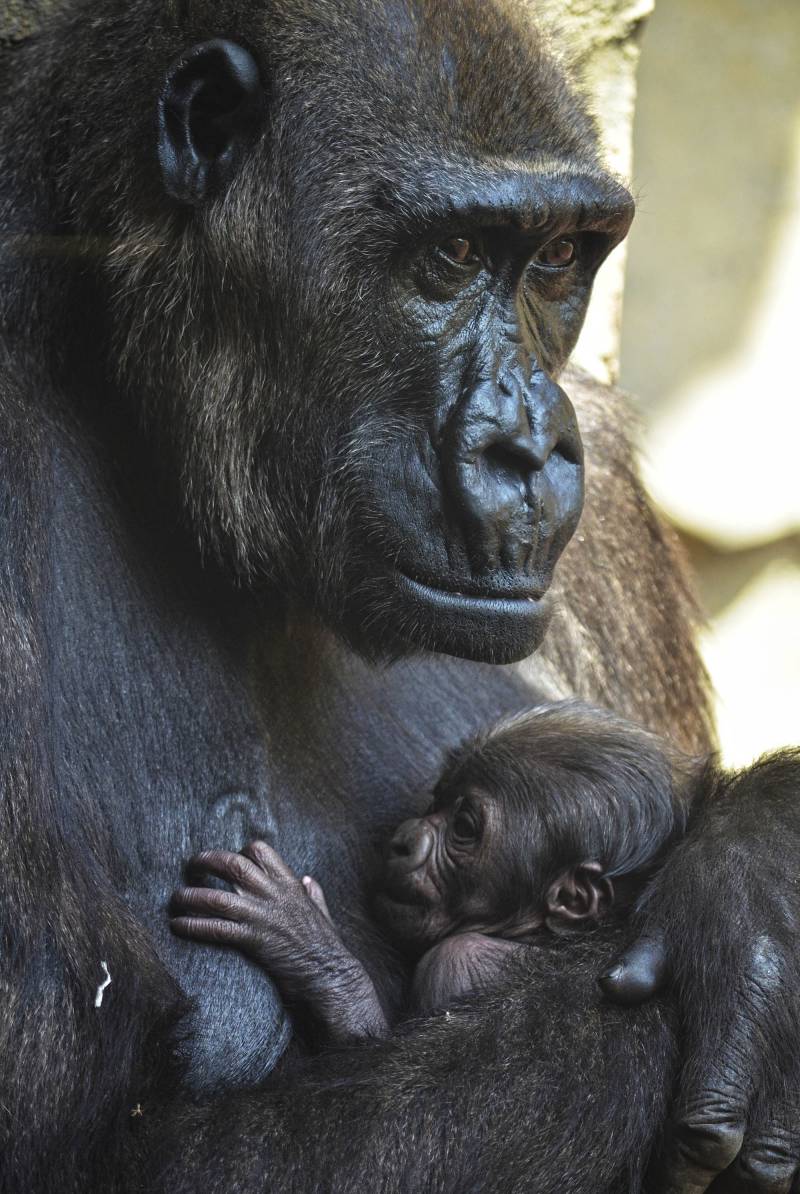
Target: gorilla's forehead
475	74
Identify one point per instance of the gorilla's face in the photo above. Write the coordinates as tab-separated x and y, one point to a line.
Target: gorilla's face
471	864
439	873
473	485
365	402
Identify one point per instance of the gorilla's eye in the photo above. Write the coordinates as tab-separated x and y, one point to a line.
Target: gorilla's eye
464	825
558	253
459	250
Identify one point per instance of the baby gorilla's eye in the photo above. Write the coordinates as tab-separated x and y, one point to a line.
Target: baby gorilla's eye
464	826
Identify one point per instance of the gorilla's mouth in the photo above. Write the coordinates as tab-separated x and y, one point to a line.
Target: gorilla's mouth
406	896
492	626
393	910
527	602
410	925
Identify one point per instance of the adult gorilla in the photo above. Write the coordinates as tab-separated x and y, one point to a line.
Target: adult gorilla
285	291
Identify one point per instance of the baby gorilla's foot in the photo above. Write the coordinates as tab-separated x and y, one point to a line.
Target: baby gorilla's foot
284	925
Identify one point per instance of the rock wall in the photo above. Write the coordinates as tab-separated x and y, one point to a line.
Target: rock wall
603	41
712	313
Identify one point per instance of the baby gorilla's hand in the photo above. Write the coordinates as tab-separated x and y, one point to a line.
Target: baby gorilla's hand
276	919
283	924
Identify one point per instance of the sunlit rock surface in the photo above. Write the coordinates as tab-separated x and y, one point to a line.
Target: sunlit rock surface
711	330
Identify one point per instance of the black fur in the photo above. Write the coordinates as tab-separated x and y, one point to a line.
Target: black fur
200	406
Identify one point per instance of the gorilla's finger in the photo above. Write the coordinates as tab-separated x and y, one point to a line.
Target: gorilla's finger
317	896
269	861
640	973
210	901
714	1104
210	929
243	874
704	1145
769	1160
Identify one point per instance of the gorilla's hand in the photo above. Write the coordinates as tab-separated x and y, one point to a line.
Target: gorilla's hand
720	923
283	924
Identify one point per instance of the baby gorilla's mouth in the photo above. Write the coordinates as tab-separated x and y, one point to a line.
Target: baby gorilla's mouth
405	923
403	895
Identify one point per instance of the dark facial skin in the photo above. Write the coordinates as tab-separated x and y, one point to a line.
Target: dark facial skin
453	869
485	493
467	885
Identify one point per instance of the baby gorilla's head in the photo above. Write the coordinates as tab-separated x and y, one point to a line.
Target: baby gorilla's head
553	819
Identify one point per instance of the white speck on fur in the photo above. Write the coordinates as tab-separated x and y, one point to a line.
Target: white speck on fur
98	999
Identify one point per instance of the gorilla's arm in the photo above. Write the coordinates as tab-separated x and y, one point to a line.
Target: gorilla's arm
65	1061
720	926
520	1086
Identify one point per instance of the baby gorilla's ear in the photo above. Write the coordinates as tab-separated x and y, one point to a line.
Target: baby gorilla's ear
581	895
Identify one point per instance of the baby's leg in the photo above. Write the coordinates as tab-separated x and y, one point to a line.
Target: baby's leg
283	923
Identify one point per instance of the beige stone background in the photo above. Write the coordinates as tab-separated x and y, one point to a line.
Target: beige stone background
706	338
710	335
711	314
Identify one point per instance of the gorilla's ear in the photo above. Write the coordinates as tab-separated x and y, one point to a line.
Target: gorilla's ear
580	895
210	109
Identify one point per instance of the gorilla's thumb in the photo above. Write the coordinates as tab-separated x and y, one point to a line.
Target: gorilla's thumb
639	973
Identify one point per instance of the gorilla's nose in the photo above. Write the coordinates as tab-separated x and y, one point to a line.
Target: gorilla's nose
411	845
512	466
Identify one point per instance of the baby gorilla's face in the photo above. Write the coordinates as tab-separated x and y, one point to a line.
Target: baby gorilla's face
453	869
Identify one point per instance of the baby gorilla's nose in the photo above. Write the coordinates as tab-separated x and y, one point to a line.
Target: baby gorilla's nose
411	845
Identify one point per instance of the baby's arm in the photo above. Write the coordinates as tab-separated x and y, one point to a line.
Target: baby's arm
283	924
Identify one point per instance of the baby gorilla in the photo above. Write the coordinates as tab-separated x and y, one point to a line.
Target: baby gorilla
549	823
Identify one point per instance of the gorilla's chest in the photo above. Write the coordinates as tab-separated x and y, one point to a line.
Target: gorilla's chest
184	725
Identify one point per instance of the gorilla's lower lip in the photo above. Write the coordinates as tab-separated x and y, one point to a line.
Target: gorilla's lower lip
500	627
518	602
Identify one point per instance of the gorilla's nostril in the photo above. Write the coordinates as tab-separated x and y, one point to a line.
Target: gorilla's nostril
569	447
411	844
503	458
